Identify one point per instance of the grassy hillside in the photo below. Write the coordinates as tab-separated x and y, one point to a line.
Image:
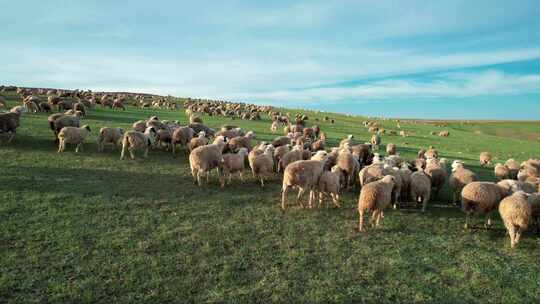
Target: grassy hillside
88	227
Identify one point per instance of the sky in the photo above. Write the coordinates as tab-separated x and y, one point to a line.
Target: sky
408	59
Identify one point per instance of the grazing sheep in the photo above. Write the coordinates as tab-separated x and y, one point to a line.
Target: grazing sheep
111	136
529	169
195	119
481	198
263	164
459	178
230	133
420	188
135	140
234	163
303	174
444	133
485	159
72	135
198	127
58	122
403	133
329	184
204	159
515	212
391	149
199	141
181	136
375	197
513	167
501	171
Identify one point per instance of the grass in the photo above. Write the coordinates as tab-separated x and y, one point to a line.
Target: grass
88	227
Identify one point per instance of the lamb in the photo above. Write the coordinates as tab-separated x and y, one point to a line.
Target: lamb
234	163
515	212
420	188
329	184
182	136
206	158
241	142
481	198
9	122
375	141
263	164
459	178
375	197
513	167
109	136
72	135
437	173
135	140
303	174
485	159
501	171
391	149
199	141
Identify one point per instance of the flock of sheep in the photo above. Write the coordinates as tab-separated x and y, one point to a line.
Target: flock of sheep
302	158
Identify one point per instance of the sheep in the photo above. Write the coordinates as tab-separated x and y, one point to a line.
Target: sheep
72	135
182	136
281	141
349	165
405	174
263	164
79	106
118	103
31	106
391	149
444	133
459	178
230	133
403	133
274	126
164	136
501	171
279	152
437	173
375	197
199	141
139	126
534	201
485	159
234	163
347	141
515	212
290	157
329	184
513	167
422	154
58	122
206	158
9	122
135	140
370	174
431	153
303	174
195	119
198	127
362	152
529	169
109	136
420	188
241	142
512	186
375	141
319	144
481	198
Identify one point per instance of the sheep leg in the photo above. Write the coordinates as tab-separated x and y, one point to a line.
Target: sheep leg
517	237
145	152
321	194
284	192
131	153
335	200
380	215
374	217
467	218
512	232
311	198
241	174
11	137
298	198
361	220
60	146
262	181
488	221
194	173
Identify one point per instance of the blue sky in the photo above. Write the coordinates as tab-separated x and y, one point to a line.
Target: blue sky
424	59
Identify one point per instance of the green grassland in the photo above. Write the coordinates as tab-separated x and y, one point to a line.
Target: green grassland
88	227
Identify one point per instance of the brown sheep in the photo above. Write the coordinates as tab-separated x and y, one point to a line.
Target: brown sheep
349	165
437	173
481	198
241	142
375	197
370	174
295	154
501	171
204	159
303	174
281	141
513	167
391	149
199	141
515	212
181	136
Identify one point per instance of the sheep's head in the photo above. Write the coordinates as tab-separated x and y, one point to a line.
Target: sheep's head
389	179
202	134
457	164
350	136
87	127
250	135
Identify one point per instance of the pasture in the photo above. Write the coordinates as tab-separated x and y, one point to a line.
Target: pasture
88	227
